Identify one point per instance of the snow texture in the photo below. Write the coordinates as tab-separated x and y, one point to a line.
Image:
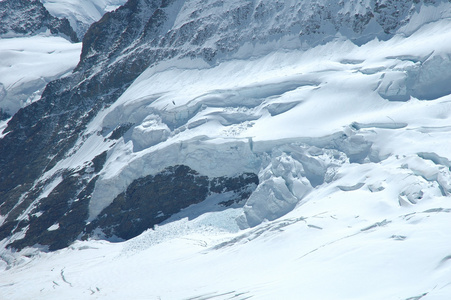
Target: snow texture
349	138
27	64
81	13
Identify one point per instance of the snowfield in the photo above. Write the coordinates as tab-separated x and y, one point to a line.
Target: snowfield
28	63
338	245
351	145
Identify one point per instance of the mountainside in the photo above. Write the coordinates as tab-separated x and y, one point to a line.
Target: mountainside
230	128
81	14
23	17
31	41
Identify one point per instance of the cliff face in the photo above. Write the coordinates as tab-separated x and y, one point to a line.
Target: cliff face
38	188
24	17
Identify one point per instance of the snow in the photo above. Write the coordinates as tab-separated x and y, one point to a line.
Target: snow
53	227
251	106
27	64
3	125
351	147
337	246
366	102
80	13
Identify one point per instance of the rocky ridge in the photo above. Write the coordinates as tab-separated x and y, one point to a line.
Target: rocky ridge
24	17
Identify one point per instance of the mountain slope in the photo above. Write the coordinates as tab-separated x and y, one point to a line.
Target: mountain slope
31	41
28	17
236	150
28	64
223	90
81	14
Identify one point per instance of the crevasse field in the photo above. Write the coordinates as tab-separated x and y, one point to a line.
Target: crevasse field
372	126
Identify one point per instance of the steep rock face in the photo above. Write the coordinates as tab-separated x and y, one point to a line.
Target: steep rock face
153	199
116	50
55	223
22	17
215	29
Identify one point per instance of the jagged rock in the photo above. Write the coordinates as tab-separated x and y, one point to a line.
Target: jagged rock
25	17
151	200
59	218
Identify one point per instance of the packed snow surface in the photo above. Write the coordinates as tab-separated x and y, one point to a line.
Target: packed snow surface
81	13
351	146
338	245
27	64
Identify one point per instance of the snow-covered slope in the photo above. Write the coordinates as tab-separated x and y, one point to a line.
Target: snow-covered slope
35	48
27	64
314	109
81	13
336	246
318	153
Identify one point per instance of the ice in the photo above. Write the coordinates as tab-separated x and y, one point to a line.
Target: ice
393	86
333	97
27	64
81	14
351	146
305	99
151	132
431	81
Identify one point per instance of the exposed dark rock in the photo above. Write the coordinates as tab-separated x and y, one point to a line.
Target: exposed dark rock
99	161
120	131
28	17
146	202
3	115
66	206
151	200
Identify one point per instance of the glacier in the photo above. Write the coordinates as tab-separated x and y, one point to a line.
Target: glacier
28	64
348	133
245	112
